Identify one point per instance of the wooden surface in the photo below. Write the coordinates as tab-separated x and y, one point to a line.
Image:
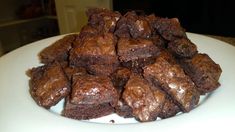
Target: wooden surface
230	40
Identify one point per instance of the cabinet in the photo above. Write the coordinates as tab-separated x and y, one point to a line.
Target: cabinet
16	32
71	13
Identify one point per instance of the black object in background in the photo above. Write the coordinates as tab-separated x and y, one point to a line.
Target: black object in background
215	17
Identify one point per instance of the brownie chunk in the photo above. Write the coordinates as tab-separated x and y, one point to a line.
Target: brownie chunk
139	96
204	72
104	20
91	97
86	111
59	50
89	89
94	51
136	26
48	84
170	29
182	48
169	109
133	49
172	79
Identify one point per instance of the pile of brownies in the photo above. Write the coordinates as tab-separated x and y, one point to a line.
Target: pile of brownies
135	66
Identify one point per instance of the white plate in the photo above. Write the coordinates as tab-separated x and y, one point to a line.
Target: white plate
19	112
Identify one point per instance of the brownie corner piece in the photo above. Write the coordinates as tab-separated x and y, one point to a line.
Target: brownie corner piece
170	29
92	50
59	50
204	72
48	84
91	97
167	74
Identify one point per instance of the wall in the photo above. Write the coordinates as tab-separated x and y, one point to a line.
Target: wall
8	9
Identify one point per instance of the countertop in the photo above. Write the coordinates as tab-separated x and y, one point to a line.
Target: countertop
230	40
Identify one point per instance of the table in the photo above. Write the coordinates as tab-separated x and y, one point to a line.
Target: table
230	40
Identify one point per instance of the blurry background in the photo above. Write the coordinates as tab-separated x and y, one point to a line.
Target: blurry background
25	21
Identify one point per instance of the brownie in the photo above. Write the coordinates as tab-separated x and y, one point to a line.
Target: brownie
48	84
172	79
182	48
133	49
104	20
170	29
134	65
94	51
59	50
90	89
137	26
139	96
91	97
169	109
86	111
203	71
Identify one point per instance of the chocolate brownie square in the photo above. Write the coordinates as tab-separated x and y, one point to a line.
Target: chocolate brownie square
48	84
91	97
145	103
59	50
167	74
134	25
104	20
94	51
203	71
170	29
90	89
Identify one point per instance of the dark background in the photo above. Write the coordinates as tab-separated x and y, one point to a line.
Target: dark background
215	17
